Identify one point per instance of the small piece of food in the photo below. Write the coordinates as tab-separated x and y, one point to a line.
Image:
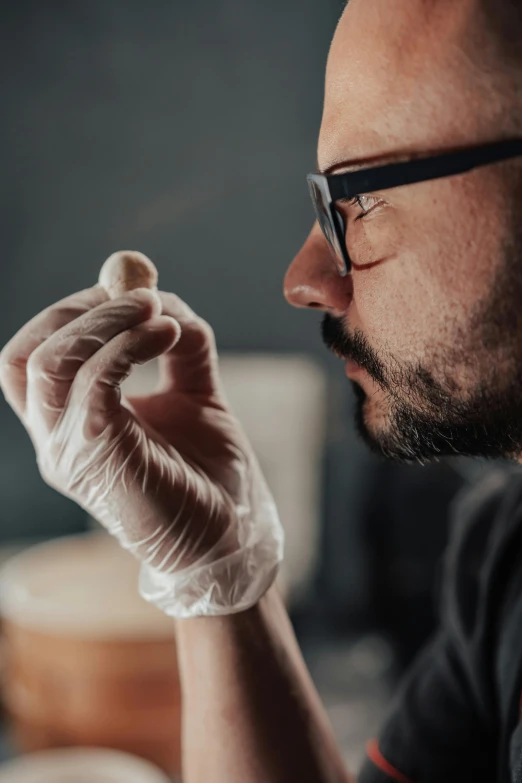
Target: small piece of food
127	270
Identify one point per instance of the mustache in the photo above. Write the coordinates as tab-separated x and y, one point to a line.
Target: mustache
352	346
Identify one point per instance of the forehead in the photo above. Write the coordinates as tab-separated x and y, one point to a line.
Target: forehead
399	78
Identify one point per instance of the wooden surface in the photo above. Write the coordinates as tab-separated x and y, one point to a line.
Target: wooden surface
85	692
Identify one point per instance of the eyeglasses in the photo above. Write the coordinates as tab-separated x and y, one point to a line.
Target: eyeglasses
326	190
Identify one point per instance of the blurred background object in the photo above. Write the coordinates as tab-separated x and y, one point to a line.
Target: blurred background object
86	661
185	130
68	766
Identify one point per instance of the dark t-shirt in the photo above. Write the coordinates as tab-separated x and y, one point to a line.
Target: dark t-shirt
457	716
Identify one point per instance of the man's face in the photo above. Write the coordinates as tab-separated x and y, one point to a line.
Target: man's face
431	317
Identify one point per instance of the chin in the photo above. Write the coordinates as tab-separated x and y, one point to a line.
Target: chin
397	431
372	418
372	405
375	428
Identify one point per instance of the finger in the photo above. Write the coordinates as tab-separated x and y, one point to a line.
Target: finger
96	388
192	364
53	366
15	354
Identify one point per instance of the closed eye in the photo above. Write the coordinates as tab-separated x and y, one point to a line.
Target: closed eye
365	204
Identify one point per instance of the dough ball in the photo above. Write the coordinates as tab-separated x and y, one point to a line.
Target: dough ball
126	270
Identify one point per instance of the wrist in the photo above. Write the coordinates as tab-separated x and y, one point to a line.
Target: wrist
267	604
229	585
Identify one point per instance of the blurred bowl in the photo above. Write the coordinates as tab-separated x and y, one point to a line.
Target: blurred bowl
87	661
80	766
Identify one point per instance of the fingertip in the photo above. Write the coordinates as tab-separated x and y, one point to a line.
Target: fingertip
144	297
98	297
100	292
158	336
147	293
176	307
167	322
90	297
163	323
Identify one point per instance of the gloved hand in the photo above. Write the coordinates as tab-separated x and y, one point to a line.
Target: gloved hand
171	475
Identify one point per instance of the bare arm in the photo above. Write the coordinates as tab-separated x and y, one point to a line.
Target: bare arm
251	711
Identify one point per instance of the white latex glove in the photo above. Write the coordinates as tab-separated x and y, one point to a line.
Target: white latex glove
171	475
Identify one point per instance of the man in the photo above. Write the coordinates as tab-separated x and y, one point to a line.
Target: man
419	276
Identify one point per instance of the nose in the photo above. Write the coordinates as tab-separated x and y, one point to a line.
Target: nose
312	279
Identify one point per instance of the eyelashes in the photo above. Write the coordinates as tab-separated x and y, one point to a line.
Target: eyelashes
366	204
363	204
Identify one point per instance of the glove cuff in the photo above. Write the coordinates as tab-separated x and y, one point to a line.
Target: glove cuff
229	585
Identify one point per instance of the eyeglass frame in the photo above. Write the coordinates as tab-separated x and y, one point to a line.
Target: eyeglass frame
347	186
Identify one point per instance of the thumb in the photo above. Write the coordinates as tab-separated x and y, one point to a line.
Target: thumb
96	388
191	366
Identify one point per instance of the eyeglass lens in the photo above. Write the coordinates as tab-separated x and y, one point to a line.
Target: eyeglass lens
325	219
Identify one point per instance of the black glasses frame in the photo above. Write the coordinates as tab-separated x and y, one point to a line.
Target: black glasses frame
326	190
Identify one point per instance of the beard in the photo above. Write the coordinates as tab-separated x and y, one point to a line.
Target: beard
426	415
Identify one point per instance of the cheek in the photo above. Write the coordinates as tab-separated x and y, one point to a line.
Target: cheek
394	306
425	277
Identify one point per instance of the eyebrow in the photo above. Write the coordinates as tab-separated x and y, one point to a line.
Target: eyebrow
347	166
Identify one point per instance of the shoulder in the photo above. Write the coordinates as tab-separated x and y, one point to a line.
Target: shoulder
486	523
478	509
444	722
482	516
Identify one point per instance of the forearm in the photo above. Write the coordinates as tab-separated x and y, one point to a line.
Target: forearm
250	710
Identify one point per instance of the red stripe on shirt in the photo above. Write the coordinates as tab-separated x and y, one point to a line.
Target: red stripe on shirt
375	755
